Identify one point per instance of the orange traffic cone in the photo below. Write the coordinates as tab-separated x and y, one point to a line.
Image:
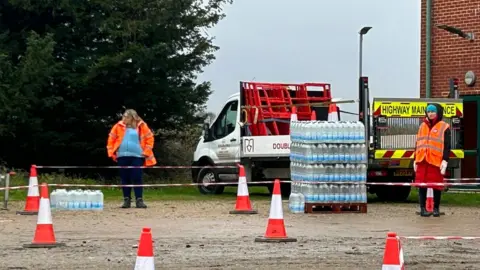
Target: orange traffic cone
332	112
33	197
393	255
44	234
243	205
276	226
313	117
145	260
429	201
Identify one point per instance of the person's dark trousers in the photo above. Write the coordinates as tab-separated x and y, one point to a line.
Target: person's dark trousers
437	196
422	197
131	176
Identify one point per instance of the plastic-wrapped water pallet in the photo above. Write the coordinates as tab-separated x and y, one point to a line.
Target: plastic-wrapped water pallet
322	154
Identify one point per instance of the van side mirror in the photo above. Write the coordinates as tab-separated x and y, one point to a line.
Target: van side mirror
206	131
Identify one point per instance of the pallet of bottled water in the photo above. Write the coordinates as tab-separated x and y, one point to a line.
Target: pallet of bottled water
328	164
62	199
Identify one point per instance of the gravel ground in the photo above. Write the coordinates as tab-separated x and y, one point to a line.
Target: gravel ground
202	235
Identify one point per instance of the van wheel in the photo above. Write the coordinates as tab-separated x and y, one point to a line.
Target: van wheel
208	176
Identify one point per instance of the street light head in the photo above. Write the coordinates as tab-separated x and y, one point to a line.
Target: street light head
457	31
365	30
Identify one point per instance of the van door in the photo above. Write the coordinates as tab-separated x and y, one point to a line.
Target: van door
226	134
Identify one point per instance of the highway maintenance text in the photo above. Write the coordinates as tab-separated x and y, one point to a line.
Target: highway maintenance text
418	109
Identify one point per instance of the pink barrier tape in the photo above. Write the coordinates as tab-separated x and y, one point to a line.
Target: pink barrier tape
144	185
184	167
462	179
132	167
422	184
16	187
441	237
257	182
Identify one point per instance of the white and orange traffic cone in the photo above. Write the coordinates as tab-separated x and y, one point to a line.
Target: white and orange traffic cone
33	197
393	254
429	201
276	226
243	204
293	115
145	259
44	234
333	112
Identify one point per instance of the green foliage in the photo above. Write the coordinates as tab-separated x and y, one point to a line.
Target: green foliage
69	68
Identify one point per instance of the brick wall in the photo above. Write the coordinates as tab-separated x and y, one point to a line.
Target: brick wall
452	56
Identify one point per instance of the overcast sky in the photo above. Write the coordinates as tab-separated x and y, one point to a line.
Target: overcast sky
317	41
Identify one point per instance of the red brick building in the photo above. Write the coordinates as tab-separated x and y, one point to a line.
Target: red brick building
452	57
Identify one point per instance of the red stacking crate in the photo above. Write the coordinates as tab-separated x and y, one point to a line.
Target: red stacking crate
268	105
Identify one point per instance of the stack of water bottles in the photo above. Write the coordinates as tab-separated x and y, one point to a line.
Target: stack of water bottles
62	199
323	153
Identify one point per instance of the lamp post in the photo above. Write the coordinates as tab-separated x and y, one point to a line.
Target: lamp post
362	32
363	91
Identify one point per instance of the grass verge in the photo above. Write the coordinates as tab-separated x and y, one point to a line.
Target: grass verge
192	193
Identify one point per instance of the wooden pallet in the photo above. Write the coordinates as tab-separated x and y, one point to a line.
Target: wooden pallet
312	208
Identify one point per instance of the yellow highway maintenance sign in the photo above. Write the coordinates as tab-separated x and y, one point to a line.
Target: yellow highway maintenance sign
414	108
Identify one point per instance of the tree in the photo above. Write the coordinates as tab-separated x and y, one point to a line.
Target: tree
69	68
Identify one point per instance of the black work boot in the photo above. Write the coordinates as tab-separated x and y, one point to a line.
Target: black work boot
436	212
126	202
424	212
140	203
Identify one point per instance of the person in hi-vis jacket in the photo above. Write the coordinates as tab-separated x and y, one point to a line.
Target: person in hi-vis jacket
432	151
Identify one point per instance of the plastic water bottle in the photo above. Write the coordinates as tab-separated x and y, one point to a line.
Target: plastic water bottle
315	150
299	129
335	193
363	173
321	193
361	132
53	200
363	192
307	134
309	196
321	134
293	198
342	135
350	198
355	174
350	129
69	200
358	153
342	150
61	199
363	151
82	199
301	200
341	194
336	132
336	172
320	153
98	200
77	196
293	131
328	132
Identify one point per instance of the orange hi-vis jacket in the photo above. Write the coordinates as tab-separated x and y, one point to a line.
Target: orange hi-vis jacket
430	143
146	141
